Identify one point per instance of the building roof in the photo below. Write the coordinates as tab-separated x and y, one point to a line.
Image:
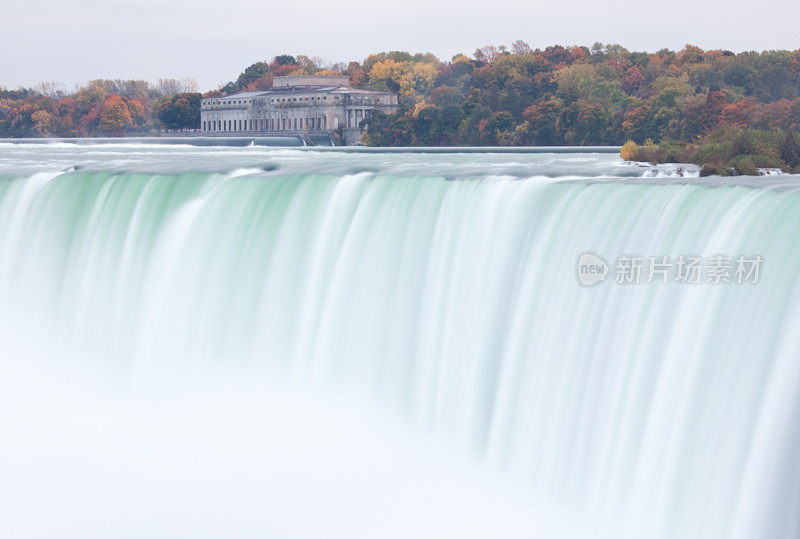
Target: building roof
304	90
310	80
301	90
238	95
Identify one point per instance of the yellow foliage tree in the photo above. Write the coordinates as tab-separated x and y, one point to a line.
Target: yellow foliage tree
629	151
6	105
417	78
418	107
386	70
43	123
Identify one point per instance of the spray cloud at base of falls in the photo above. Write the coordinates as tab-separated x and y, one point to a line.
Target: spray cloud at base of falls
440	290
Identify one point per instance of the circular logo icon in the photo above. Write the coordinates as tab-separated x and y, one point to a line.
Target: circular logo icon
592	269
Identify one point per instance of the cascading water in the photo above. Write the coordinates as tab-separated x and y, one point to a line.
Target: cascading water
440	289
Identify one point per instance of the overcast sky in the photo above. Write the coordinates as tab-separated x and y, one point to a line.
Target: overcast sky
73	41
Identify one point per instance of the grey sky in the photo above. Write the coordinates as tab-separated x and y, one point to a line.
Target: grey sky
73	41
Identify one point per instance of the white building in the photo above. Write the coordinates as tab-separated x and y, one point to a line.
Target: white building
296	105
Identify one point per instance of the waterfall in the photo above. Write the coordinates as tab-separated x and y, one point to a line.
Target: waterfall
658	410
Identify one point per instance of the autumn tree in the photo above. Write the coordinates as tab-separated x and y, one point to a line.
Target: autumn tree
43	123
114	116
252	73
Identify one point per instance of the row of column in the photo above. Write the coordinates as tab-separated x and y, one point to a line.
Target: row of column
266	124
354	117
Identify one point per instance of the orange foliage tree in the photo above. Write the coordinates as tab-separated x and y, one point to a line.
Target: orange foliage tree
114	115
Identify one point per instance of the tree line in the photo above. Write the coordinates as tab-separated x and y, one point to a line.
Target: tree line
101	107
518	95
583	96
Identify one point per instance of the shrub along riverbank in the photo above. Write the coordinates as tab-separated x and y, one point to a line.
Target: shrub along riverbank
725	152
